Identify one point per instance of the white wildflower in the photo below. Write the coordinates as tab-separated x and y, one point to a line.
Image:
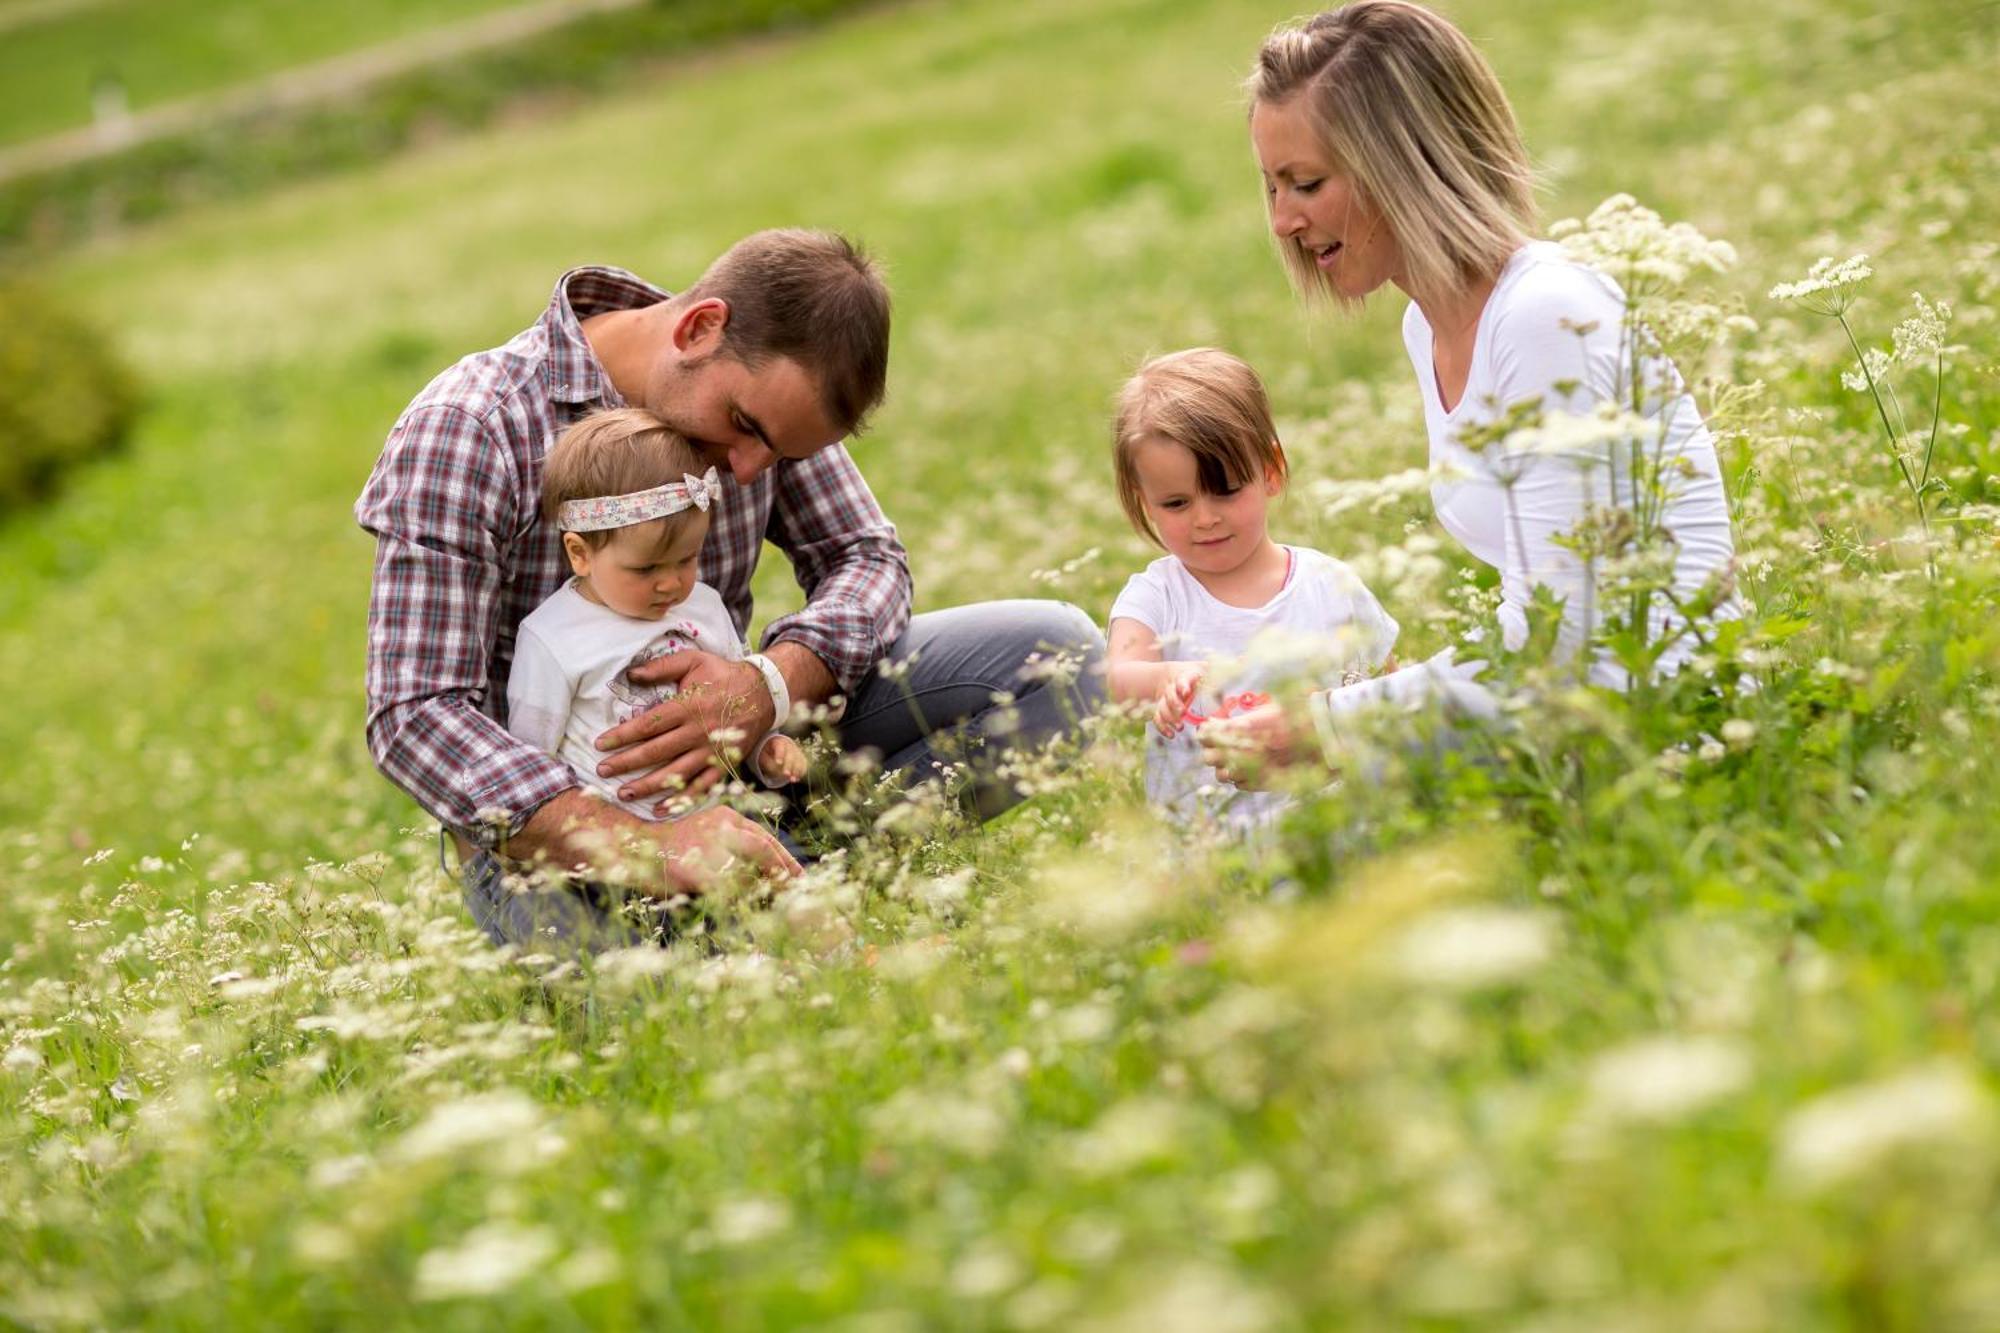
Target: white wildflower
1665	1078
1466	948
486	1119
1875	364
985	1273
1631	243
1921	336
1337	496
322	1245
1842	1133
1086	1022
942	1118
337	1171
1131	1134
1739	732
1195	1298
945	893
747	1221
21	1060
594	1267
1828	285
1584	437
491	1258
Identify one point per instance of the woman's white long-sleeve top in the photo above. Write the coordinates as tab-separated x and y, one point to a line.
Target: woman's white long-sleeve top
1553	331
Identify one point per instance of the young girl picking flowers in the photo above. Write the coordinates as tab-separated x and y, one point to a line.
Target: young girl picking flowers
1198	463
624	489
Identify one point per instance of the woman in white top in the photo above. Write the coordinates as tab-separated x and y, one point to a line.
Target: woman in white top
1390	157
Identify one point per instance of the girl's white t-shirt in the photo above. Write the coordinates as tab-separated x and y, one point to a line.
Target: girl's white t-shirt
1552	331
1320	627
571	680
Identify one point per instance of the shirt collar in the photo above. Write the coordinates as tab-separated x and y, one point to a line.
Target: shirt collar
574	373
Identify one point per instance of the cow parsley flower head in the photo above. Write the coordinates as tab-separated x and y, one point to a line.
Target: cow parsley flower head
1468	948
1631	243
1666	1078
1828	286
1840	1134
490	1259
1875	366
1922	334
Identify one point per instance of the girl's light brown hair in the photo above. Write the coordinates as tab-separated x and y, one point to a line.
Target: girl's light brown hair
1211	404
616	453
1411	113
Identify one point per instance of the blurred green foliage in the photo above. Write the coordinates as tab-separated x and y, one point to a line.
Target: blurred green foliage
66	397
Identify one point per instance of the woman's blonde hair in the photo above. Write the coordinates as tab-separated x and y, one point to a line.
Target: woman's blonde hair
1413	115
617	452
1211	404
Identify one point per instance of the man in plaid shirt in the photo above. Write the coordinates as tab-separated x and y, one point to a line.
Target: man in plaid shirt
764	364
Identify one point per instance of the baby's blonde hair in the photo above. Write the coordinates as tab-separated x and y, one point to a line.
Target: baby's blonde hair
1211	404
617	452
1413	115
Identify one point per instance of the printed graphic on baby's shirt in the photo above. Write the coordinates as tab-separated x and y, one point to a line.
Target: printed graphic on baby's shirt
632	698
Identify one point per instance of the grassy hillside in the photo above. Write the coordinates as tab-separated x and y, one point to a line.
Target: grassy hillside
1634	1027
157	53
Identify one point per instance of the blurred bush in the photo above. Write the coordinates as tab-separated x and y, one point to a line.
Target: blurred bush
66	396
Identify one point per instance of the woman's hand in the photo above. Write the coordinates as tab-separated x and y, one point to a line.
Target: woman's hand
1176	693
1249	747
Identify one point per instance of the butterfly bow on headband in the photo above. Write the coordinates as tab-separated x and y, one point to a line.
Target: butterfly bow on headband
622	511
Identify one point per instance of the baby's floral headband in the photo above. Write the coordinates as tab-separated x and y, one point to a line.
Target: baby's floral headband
622	511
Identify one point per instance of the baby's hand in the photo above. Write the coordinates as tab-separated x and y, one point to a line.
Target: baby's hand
1176	695
782	761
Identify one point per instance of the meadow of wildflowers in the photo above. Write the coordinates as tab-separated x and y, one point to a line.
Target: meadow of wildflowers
1657	1010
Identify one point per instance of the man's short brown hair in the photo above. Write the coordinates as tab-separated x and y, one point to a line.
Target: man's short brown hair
616	453
812	297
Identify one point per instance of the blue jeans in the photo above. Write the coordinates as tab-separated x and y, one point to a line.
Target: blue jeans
930	705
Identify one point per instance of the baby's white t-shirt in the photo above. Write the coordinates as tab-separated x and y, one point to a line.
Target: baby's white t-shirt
1320	627
571	680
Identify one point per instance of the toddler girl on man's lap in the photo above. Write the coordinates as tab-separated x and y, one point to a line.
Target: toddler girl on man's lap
1198	462
631	499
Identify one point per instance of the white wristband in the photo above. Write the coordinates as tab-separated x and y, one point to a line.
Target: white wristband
774	681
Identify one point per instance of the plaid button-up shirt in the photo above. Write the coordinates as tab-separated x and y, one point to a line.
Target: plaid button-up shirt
462	555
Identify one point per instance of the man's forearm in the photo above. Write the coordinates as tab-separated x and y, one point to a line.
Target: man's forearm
576	830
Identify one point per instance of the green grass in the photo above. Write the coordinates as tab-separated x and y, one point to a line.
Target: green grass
162	53
1019	1107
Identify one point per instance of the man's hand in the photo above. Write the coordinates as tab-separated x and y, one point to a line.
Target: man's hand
683	856
722	708
1245	748
713	842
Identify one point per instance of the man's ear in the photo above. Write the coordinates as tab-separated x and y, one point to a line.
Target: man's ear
698	330
578	552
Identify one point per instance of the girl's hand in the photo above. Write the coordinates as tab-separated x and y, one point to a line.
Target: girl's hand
1175	696
1244	749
